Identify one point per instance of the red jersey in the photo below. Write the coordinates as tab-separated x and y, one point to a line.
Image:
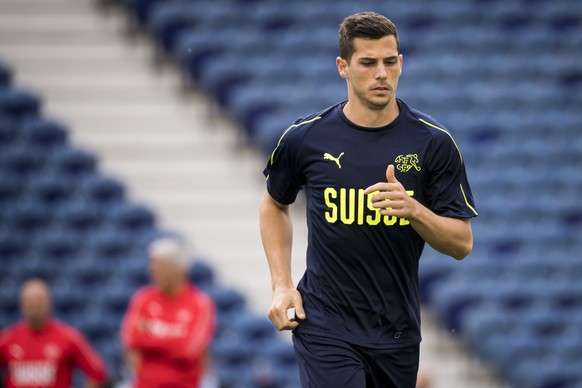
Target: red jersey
172	333
46	358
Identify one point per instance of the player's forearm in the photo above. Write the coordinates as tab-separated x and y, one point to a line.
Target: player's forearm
450	236
277	238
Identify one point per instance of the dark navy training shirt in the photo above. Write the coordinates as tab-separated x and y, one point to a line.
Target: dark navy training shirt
361	282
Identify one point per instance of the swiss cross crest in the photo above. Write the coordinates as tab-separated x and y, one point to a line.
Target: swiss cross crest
407	162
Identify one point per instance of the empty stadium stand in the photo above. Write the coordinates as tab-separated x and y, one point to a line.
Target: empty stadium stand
504	76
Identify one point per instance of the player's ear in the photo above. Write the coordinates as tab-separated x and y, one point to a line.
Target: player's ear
342	67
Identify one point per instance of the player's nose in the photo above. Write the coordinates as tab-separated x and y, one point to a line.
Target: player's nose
381	72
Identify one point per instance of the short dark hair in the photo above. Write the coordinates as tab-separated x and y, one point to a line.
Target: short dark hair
367	25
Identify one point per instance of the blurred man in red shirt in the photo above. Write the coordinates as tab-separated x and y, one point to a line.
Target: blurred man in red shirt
169	325
41	351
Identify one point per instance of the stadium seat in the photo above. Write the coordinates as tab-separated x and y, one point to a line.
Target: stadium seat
22	162
13	246
132	218
8	132
88	271
79	217
27	217
19	104
5	74
52	191
256	330
43	134
201	274
233	361
109	245
9	296
57	246
67	298
74	163
11	190
102	191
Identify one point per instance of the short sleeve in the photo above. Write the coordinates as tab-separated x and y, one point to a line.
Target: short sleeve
283	171
448	190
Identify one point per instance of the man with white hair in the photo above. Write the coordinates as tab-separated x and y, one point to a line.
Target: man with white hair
168	326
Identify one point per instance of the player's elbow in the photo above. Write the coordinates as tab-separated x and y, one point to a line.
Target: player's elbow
462	249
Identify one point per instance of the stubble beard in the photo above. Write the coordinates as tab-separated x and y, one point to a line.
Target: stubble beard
371	104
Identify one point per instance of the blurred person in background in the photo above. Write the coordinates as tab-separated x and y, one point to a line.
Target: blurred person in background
169	325
381	179
42	351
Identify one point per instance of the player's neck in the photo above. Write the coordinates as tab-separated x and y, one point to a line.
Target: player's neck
363	116
174	288
37	325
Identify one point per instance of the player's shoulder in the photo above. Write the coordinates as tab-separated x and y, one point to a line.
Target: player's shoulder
429	124
301	126
65	331
145	292
12	331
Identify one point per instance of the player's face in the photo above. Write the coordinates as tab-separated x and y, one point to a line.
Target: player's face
163	272
35	303
373	71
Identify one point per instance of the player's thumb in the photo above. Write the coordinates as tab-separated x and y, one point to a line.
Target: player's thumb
298	304
390	174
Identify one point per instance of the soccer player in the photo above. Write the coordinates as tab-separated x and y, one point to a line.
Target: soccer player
170	325
41	351
380	180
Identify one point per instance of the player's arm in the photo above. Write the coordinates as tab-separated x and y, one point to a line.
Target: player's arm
200	333
450	236
88	361
277	237
134	334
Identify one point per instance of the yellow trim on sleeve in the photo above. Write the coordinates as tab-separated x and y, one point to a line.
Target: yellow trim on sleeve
287	130
447	132
467	202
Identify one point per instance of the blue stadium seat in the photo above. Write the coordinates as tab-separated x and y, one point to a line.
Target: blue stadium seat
168	19
233	360
9	297
11	190
74	163
44	134
5	75
115	298
135	270
52	190
22	162
102	191
79	217
57	247
132	218
13	246
19	104
453	298
27	217
67	297
8	132
201	274
89	271
110	245
256	330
